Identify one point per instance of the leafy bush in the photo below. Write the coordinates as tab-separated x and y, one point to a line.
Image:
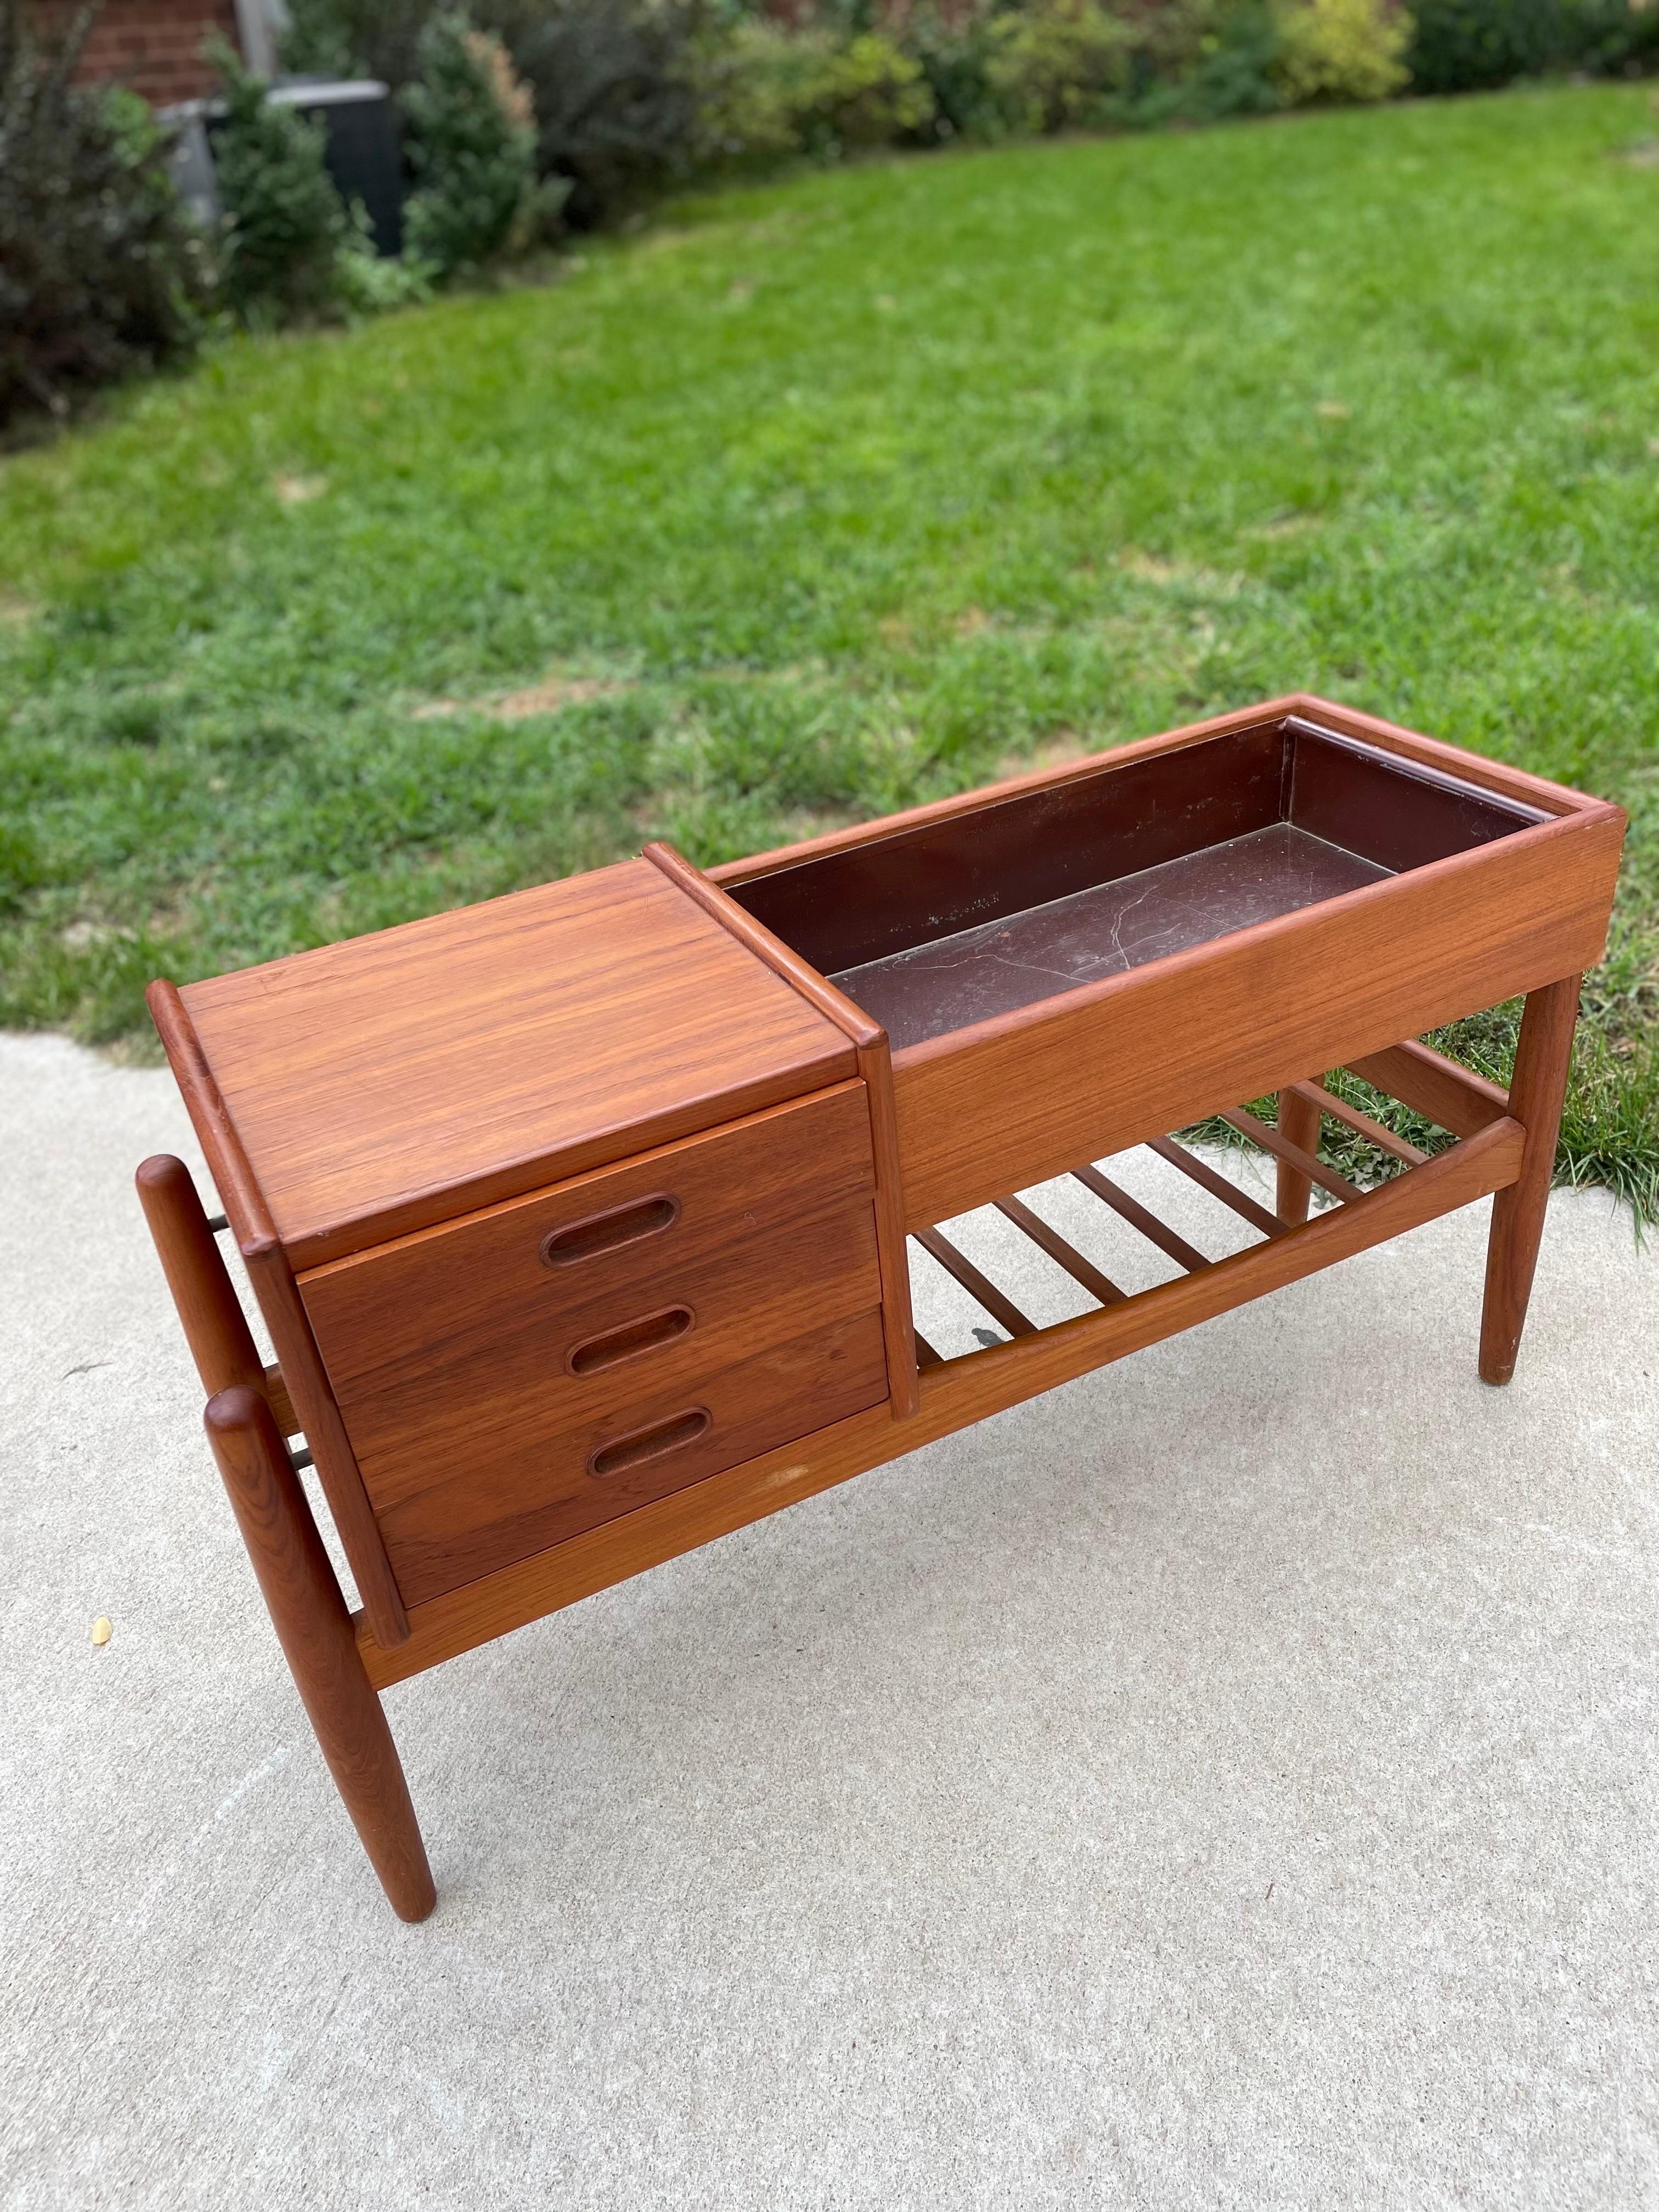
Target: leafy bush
1059	63
1470	45
100	272
611	81
1236	69
868	94
1465	45
953	51
348	37
286	227
744	82
1612	38
471	146
1342	50
616	109
762	90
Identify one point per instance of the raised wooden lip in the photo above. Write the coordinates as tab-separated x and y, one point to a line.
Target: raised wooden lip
1494	777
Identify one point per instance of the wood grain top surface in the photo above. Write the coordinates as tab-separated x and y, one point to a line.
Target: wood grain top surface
386	1082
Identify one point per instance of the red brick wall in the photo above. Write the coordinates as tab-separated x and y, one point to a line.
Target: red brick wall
153	46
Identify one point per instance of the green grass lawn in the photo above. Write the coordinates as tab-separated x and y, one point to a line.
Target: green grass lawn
820	499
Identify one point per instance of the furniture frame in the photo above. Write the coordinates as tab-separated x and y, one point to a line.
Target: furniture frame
467	1288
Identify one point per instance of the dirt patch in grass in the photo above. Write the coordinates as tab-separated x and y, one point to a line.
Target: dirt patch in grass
548	697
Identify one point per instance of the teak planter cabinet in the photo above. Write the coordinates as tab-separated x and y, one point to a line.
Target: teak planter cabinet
578	1220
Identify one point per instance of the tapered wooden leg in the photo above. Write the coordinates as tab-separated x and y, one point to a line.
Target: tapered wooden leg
1542	1061
1298	1120
315	1632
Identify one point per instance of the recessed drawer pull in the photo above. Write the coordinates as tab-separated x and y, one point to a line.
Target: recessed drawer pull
631	1339
641	1445
604	1232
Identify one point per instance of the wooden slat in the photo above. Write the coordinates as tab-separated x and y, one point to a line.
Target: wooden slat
1450	1097
1062	1253
976	1285
1218	1186
1136	1215
1339	1110
925	1355
1281	1147
952	1394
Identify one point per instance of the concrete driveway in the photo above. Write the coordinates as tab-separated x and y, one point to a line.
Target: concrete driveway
1230	1780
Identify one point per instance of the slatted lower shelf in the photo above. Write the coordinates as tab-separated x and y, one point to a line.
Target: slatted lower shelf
1442	1093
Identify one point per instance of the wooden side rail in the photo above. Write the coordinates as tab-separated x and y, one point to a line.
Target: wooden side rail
1452	1096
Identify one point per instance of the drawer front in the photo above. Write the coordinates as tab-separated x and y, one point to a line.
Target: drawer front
570	1367
503	1294
516	1495
520	1374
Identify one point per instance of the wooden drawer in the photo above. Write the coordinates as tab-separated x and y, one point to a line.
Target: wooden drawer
478	1297
479	1366
699	1317
513	1495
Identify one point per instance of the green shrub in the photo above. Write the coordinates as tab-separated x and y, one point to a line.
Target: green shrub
1236	69
100	272
286	227
348	37
869	94
954	52
1470	45
763	90
615	106
1059	63
743	81
471	144
1611	38
1465	45
611	81
1342	50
